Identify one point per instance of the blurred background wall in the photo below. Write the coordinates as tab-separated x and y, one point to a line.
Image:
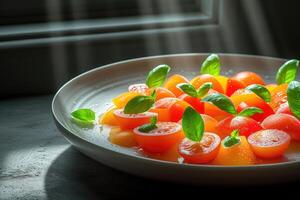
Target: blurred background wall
44	43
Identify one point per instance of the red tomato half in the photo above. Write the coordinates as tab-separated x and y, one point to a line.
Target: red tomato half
284	108
269	143
200	152
233	85
194	102
130	121
283	122
245	125
248	78
161	139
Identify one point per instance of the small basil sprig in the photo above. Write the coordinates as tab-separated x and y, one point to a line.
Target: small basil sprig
293	97
211	65
157	76
260	91
232	139
149	127
221	101
139	104
83	116
192	124
192	91
250	111
287	72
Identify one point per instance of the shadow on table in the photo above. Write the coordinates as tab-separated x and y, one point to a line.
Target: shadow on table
74	176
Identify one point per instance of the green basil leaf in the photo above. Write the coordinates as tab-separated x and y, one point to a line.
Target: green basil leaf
293	96
260	91
188	89
221	101
249	111
232	139
146	128
157	76
211	65
149	127
84	116
203	89
192	124
287	72
139	104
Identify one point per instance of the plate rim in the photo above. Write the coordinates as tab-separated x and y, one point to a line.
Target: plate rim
147	159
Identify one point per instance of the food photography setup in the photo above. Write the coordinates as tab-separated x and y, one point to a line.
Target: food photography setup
127	99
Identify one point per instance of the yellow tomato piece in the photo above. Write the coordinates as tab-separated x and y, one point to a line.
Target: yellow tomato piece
122	138
108	118
223	80
121	100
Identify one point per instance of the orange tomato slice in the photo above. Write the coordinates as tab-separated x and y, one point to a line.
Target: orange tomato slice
278	96
108	118
173	81
236	155
201	79
122	138
269	143
161	139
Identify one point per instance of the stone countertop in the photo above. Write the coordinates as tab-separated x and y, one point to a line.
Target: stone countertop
36	162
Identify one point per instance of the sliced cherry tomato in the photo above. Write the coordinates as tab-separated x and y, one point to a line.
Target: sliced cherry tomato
248	78
223	80
244	98
236	155
160	139
140	88
169	109
200	152
269	143
108	118
194	102
161	93
285	109
120	137
278	96
173	81
201	79
245	125
283	122
233	85
130	121
121	100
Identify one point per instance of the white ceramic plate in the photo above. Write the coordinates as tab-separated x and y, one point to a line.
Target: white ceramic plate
95	89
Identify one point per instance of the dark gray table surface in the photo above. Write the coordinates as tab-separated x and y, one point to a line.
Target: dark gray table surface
36	162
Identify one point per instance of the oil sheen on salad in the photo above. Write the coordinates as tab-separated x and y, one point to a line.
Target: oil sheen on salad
210	119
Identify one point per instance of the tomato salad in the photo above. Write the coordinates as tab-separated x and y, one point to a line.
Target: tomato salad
210	119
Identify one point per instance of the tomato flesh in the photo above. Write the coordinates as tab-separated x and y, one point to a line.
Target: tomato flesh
161	139
232	86
283	122
140	88
200	152
161	93
108	118
284	108
269	143
278	96
121	100
131	121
